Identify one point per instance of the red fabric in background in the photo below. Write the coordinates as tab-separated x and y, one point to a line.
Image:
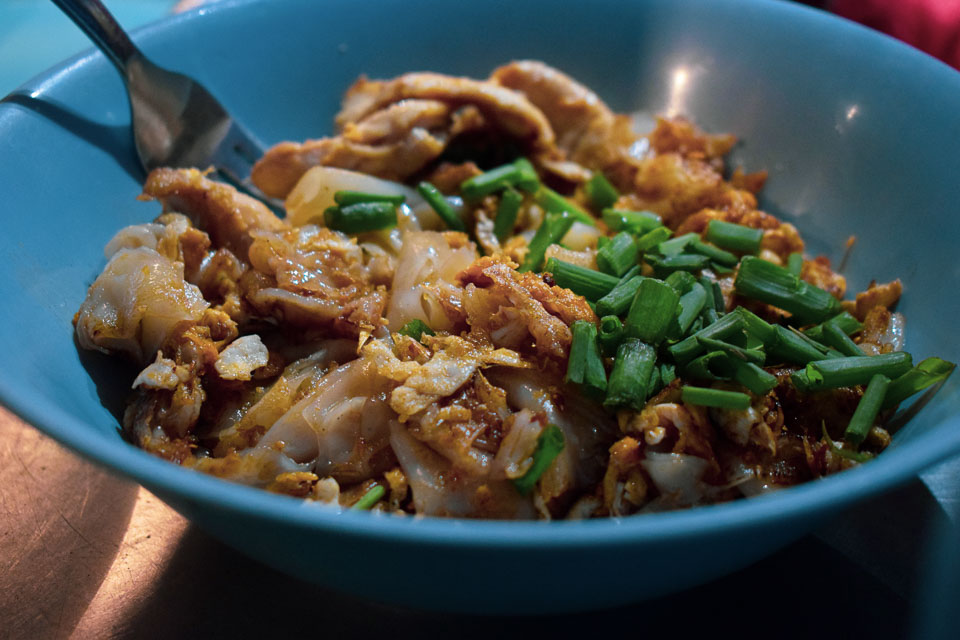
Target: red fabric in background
929	25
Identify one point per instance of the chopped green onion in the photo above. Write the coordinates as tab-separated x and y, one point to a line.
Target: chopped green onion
745	355
527	178
618	300
652	238
754	378
552	229
635	222
588	283
346	198
477	187
553	202
847	372
709	315
856	456
652	309
720	269
788	347
630	377
360	217
714	365
415	329
681	281
439	204
767	282
867	409
713	287
679	262
734	237
510	201
600	192
610	334
602	241
619	255
668	373
795	264
691	304
370	498
756	326
929	372
676	245
584	365
715	398
688	348
844	320
716	254
835	337
549	445
655	384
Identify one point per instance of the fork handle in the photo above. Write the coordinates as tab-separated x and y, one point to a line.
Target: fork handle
101	27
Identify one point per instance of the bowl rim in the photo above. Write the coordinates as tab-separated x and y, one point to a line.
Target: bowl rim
895	467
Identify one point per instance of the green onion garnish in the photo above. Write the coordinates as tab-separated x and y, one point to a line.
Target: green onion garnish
691	304
439	204
618	255
584	365
795	264
867	409
610	334
846	372
663	266
527	179
630	377
360	217
510	201
715	398
549	445
739	353
734	237
716	254
668	373
856	456
600	192
653	307
754	378
618	300
929	372
415	329
788	347
688	348
477	187
676	245
370	498
588	283
714	365
653	238
681	281
552	229
844	320
346	198
835	337
767	282
635	222
716	299
553	202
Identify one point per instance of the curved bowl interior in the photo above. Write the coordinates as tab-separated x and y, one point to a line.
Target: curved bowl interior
849	124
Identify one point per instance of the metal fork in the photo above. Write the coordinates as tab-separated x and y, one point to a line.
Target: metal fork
176	121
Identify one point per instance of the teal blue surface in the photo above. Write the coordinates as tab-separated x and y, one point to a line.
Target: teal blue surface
856	130
35	34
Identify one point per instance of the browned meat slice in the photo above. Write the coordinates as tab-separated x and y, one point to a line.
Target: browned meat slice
679	135
312	277
504	300
877	295
587	131
393	143
227	215
507	110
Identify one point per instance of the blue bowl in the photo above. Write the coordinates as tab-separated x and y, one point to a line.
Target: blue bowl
857	133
